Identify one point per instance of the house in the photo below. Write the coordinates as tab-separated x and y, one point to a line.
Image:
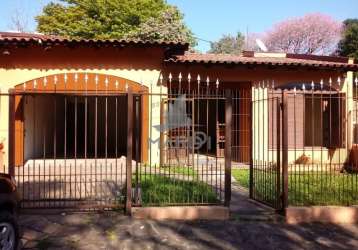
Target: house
65	99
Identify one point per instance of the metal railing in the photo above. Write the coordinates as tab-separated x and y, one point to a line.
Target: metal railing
114	148
303	147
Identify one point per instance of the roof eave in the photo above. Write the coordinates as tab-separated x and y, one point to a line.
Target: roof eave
340	67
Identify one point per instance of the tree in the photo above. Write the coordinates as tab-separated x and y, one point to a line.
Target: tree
18	21
348	46
250	42
108	19
228	44
311	34
168	26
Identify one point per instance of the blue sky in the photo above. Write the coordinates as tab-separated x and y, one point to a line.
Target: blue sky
209	19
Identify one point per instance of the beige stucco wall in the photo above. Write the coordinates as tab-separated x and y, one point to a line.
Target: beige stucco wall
9	78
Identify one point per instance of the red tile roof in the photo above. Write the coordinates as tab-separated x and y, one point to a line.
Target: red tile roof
284	60
248	58
13	37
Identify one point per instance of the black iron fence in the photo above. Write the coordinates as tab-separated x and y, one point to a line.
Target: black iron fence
192	168
113	148
304	150
68	150
178	144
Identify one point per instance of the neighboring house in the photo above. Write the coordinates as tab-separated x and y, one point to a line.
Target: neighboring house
53	67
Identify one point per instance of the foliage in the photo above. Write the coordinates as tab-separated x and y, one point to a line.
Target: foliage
348	46
310	34
162	190
168	26
305	188
241	176
185	171
115	19
228	44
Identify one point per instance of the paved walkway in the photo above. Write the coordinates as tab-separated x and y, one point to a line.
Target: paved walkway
244	209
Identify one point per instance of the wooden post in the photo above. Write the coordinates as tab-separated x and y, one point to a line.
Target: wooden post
129	151
228	124
284	151
11	150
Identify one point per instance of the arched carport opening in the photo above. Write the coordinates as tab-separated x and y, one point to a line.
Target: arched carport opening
76	116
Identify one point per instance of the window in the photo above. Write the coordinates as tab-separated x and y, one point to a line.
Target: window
324	120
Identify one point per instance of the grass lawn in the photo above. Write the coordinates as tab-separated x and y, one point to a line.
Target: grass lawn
241	176
162	190
186	171
322	188
313	188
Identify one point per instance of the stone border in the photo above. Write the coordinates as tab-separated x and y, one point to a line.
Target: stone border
182	213
325	214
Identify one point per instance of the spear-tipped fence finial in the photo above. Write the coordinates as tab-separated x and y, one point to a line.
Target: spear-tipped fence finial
161	79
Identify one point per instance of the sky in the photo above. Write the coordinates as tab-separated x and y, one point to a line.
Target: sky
210	19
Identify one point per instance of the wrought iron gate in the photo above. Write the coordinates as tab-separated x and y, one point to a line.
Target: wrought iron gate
69	149
304	149
266	167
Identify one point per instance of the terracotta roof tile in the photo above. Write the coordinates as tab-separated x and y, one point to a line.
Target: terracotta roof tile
13	37
288	60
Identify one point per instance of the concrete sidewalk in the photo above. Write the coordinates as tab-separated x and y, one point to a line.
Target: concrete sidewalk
115	231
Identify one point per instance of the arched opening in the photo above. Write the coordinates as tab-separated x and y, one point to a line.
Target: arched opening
77	116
